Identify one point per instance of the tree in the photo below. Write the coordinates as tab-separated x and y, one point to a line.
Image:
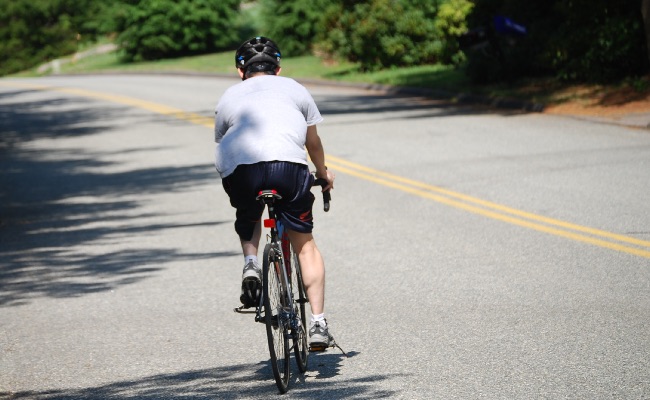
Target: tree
577	40
388	33
645	12
156	29
33	31
293	24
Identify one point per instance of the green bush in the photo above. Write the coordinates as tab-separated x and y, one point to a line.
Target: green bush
451	22
578	40
393	33
35	31
249	21
156	29
598	43
292	24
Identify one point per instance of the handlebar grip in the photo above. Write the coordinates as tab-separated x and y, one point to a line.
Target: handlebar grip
327	197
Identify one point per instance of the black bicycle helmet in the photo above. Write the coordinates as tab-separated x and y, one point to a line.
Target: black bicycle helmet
257	50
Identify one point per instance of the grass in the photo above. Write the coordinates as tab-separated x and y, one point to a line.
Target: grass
306	67
437	77
430	76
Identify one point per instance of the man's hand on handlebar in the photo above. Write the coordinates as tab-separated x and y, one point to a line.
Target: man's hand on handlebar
326	183
329	177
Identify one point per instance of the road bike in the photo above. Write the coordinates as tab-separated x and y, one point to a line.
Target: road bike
281	304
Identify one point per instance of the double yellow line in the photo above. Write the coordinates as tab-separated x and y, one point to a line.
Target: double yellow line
114	98
496	211
447	197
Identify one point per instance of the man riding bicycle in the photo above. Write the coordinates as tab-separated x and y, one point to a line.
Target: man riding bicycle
262	127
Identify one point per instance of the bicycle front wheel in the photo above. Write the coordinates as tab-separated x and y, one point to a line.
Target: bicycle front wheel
276	316
299	333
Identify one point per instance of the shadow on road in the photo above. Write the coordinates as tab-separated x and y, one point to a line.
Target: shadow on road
24	121
415	106
53	202
243	381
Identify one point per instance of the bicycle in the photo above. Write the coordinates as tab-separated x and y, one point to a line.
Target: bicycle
281	305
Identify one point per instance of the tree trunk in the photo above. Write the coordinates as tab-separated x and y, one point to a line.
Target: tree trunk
645	11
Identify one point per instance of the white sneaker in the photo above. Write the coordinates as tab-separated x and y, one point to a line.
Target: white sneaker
319	337
251	271
251	285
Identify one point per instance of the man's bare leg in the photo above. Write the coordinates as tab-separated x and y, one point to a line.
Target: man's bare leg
312	267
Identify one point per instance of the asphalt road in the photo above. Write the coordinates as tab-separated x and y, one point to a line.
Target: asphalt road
470	253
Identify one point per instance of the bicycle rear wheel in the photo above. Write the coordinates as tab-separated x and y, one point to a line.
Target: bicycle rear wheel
276	317
299	334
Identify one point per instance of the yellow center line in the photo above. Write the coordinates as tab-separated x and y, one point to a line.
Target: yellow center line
146	105
492	214
129	101
488	204
444	196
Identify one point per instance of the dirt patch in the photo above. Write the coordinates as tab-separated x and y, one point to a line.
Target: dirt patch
601	101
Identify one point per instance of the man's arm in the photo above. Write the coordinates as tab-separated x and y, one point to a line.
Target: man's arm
218	129
317	156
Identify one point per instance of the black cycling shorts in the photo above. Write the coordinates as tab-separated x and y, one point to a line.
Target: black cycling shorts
291	180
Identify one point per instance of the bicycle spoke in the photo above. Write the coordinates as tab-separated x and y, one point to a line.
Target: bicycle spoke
276	320
300	339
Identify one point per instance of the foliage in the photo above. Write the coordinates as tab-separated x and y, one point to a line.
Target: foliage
574	40
577	40
392	33
598	44
292	24
34	31
451	21
249	21
156	29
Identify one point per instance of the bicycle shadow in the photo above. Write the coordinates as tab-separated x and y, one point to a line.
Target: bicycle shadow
325	365
242	381
322	380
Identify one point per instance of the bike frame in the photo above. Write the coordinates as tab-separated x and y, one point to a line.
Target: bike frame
279	239
285	309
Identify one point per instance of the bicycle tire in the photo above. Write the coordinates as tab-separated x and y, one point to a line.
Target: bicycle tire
299	335
277	328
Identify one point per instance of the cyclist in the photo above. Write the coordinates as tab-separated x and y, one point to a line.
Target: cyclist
262	127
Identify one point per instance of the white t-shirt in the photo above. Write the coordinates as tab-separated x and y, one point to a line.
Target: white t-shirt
263	118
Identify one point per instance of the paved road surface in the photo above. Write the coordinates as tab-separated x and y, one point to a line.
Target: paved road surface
471	253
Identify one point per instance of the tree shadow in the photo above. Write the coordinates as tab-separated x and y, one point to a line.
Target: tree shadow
25	120
249	381
50	204
613	97
417	105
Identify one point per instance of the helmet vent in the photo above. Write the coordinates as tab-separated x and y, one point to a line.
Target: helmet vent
257	50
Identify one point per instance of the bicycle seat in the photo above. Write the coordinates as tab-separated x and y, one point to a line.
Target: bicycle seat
266	195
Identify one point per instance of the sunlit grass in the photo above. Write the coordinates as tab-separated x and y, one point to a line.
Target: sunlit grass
437	77
305	67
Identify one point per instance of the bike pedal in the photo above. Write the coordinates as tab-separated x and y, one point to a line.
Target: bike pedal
244	310
321	348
